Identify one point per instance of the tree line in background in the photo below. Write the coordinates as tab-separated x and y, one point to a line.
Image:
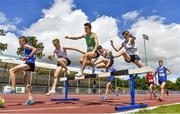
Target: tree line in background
141	83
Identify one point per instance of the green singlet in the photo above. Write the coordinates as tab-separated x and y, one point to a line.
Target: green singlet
90	42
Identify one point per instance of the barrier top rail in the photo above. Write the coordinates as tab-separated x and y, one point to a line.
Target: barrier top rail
115	73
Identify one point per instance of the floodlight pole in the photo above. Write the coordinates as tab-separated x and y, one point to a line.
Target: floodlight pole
145	37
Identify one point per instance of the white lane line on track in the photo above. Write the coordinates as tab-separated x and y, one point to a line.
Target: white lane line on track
157	99
69	106
137	101
21	110
53	108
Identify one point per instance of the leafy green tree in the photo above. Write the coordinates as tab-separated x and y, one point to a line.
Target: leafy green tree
169	85
126	83
137	82
2	32
140	83
3	47
33	42
177	83
144	85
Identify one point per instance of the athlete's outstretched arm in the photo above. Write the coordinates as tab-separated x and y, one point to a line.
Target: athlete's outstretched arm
51	57
169	71
133	40
112	44
75	38
117	55
154	74
69	48
120	53
33	49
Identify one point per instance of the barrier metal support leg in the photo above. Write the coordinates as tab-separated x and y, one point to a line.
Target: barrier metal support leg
66	95
133	105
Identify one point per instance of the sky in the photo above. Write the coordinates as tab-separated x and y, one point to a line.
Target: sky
49	19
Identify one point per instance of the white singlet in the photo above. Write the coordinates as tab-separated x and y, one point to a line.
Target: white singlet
131	49
60	53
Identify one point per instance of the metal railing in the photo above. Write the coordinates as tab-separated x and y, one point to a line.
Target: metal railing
74	90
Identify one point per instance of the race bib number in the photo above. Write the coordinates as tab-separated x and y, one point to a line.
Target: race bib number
151	80
90	48
161	74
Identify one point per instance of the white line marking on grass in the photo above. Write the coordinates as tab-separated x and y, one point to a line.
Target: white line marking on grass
148	108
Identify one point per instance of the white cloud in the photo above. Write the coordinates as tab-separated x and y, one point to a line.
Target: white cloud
10	38
61	20
106	28
164	40
163	44
58	21
12	41
17	20
8	24
131	15
96	14
8	27
59	9
2	17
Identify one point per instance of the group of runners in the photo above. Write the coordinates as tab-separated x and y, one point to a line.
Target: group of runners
96	56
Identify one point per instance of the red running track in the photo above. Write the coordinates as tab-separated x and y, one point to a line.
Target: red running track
87	103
